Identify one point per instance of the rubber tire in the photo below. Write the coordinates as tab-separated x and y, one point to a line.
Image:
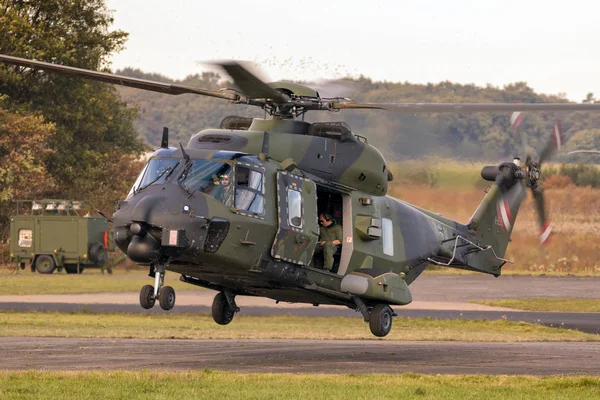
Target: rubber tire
44	264
166	298
72	268
98	254
147	299
221	312
380	320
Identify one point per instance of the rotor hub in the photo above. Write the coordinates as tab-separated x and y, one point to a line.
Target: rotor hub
533	174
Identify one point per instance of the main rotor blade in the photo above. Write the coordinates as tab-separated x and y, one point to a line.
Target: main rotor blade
466	107
250	85
584	151
116	79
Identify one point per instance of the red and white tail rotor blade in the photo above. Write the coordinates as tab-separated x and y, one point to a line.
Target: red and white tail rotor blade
554	143
508	205
515	120
545	232
540	209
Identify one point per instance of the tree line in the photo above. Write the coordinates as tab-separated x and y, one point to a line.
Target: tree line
65	137
479	136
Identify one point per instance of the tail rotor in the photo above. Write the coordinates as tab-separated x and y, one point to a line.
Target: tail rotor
512	178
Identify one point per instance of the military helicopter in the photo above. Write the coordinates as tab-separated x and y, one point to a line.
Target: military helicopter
236	209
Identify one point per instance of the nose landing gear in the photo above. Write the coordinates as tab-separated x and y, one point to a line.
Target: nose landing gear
164	294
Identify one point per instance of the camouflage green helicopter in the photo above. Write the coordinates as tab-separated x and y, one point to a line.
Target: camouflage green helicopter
236	210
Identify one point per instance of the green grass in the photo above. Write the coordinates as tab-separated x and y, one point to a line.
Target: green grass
220	385
192	326
565	305
27	283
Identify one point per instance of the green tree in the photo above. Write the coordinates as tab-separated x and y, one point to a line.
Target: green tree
24	151
91	121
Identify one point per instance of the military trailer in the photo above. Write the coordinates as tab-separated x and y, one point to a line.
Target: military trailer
54	235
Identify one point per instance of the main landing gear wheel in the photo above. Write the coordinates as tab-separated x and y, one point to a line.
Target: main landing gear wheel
166	297
147	299
380	320
222	313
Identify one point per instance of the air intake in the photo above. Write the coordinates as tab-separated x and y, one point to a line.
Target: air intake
236	123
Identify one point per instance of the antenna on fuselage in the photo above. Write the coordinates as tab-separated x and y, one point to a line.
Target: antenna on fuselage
186	157
164	144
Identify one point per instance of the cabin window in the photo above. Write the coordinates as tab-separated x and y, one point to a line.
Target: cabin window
249	190
388	236
25	237
294	200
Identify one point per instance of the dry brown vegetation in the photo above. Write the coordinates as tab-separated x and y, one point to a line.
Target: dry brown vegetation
574	212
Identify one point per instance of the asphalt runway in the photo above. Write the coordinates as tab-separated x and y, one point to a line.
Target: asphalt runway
308	356
585	322
436	296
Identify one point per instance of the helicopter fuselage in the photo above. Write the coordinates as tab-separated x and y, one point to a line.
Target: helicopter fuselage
239	210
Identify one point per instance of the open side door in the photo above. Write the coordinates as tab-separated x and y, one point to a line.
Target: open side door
298	230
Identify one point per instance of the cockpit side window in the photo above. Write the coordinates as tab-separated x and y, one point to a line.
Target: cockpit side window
249	190
210	177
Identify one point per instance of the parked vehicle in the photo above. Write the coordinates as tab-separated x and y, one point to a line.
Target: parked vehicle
59	234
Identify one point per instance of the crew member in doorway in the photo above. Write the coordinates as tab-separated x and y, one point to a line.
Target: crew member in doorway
330	237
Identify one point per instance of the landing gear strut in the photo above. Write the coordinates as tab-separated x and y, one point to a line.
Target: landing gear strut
224	307
379	317
164	294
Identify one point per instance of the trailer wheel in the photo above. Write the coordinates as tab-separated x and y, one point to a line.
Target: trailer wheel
72	268
98	254
44	264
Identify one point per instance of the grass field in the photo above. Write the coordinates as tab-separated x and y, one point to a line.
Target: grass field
25	283
182	326
221	385
564	305
454	189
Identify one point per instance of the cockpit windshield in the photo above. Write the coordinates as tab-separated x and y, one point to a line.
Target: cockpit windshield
210	177
155	172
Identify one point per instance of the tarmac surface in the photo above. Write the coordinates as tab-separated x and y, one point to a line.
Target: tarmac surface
436	296
307	356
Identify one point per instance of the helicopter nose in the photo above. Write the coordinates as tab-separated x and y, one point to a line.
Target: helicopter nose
145	244
160	224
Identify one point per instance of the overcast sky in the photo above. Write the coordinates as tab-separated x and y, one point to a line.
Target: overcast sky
552	45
